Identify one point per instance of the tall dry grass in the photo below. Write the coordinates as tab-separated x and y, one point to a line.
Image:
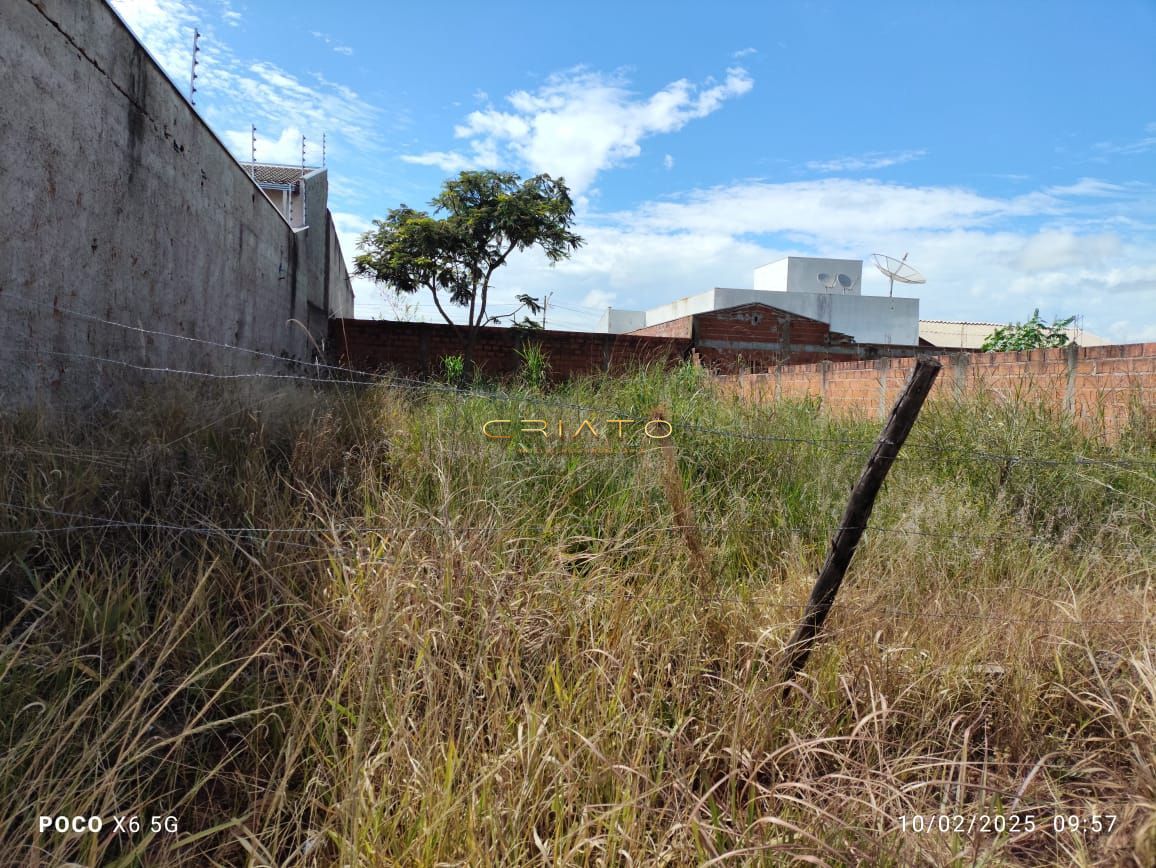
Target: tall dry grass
348	629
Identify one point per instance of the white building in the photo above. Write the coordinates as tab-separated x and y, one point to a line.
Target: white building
828	290
286	187
970	335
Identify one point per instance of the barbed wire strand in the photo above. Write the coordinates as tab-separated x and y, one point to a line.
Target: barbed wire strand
98	523
947	454
816	529
405	382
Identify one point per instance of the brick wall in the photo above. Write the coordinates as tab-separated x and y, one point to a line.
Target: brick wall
418	348
752	336
672	328
757	336
1100	386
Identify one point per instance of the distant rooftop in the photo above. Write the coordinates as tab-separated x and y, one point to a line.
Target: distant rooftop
273	173
970	335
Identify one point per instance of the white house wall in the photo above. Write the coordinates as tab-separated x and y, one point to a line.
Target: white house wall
801	274
772	276
621	321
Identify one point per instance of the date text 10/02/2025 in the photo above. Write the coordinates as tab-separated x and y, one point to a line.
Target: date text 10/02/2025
966	824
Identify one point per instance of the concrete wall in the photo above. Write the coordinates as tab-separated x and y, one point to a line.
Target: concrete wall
618	321
1104	388
340	299
801	274
122	205
772	276
691	304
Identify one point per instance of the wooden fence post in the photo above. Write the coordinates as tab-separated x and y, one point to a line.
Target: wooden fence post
859	507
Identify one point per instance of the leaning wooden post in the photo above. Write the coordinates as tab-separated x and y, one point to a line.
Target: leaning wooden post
850	530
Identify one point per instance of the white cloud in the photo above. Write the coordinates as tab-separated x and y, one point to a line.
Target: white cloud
349	229
232	92
980	261
1086	187
830	208
332	43
598	298
230	15
744	52
668	162
580	123
864	161
1126	332
166	29
1137	146
447	161
1050	249
284	149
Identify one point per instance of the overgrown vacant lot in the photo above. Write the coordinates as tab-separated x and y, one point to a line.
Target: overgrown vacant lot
349	629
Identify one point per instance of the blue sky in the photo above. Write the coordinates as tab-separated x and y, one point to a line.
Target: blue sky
1010	148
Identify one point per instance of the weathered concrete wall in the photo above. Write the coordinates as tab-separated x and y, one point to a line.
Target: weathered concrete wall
120	204
339	302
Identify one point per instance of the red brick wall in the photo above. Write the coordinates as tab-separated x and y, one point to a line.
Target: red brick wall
752	336
674	328
730	338
1100	386
418	348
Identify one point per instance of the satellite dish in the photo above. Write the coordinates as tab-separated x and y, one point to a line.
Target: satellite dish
827	280
845	282
897	269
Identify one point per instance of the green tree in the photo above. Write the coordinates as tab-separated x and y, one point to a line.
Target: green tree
1031	335
479	219
531	304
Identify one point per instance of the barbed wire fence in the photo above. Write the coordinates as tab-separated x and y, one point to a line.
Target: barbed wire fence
328	374
319	374
332	540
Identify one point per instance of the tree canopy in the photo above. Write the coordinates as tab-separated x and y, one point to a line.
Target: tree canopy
478	220
1031	335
